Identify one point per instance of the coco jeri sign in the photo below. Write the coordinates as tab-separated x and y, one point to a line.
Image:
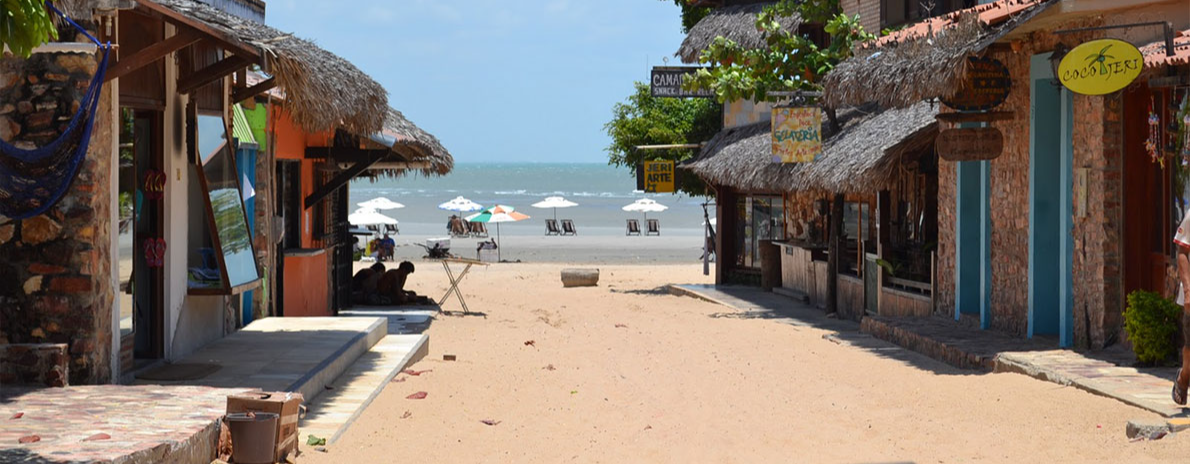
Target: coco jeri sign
1100	67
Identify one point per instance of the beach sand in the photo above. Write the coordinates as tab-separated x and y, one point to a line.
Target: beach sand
625	372
591	249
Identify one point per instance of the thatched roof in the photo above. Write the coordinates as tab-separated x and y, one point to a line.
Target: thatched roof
862	157
323	90
927	60
415	144
737	23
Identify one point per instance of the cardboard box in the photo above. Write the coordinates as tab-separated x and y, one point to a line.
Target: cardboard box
285	404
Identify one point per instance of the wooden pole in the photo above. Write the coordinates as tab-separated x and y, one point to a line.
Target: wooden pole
834	252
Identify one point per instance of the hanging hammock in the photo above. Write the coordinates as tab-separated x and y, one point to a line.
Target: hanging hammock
33	181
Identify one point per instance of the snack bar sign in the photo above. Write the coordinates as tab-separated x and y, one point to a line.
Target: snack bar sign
666	81
797	134
1100	67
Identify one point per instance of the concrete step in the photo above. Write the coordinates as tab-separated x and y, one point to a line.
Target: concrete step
332	413
313	384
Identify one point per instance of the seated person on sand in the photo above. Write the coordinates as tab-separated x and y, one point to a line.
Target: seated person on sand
392	287
365	281
458	227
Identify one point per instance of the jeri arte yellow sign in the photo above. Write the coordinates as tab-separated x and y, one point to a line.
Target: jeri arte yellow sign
659	176
1100	67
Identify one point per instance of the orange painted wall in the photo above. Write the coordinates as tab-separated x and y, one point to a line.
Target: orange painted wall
306	291
305	286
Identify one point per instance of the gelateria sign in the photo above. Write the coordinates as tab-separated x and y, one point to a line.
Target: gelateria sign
796	134
1100	67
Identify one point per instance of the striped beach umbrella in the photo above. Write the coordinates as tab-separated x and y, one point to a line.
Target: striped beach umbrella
498	214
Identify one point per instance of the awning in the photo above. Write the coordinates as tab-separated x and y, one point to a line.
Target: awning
323	91
862	157
926	60
413	143
737	23
241	130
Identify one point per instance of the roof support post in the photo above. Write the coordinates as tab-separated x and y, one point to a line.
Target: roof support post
149	55
239	95
834	251
211	73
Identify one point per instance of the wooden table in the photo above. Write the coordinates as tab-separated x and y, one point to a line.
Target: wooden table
456	279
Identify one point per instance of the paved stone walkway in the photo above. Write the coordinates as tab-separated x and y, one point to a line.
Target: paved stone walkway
1107	372
111	423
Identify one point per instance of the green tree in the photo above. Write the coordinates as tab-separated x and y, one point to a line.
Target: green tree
24	25
691	15
789	62
647	120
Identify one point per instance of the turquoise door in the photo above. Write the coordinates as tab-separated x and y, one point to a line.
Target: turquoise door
1050	206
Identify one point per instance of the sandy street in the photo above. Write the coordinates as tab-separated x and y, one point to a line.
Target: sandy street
626	373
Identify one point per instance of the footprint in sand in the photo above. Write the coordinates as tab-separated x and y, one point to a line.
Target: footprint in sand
550	318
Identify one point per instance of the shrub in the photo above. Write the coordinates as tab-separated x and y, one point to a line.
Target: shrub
1152	324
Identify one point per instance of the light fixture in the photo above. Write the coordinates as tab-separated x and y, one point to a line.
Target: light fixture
1060	51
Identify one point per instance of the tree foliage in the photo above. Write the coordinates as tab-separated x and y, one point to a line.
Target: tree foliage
790	62
647	120
691	15
24	25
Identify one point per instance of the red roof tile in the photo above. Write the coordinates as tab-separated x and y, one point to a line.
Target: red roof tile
1155	55
989	14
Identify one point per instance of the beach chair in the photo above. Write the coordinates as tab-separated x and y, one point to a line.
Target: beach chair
551	227
568	228
479	230
391	229
633	228
654	228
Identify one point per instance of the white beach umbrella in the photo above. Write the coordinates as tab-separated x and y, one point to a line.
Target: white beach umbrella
645	206
381	203
461	204
369	216
555	203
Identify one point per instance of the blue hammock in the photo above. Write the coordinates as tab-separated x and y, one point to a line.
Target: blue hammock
33	181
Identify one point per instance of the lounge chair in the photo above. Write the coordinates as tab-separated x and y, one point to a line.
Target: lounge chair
458	228
391	229
654	228
551	227
478	230
568	228
633	228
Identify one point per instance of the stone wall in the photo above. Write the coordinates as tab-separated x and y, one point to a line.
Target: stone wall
34	365
1097	263
55	277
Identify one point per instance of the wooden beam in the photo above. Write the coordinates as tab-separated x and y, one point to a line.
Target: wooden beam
976	117
152	53
340	180
211	73
246	93
347	154
227	41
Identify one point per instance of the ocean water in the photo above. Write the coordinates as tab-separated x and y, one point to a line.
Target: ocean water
600	191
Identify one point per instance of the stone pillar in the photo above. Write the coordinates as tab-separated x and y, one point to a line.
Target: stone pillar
55	274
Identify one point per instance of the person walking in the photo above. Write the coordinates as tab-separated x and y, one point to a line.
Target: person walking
1182	241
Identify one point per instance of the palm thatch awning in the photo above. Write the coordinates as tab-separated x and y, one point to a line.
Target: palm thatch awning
737	23
862	157
926	60
323	91
414	144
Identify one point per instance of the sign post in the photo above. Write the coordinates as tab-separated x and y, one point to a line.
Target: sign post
659	176
666	81
1100	67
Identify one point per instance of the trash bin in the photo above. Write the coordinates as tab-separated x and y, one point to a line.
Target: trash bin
253	436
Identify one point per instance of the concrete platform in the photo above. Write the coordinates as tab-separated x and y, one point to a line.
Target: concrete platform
286	354
335	410
112	424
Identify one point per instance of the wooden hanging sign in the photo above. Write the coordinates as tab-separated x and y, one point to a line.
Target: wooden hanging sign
969	144
985	86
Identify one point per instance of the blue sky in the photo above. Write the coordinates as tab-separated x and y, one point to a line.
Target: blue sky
518	80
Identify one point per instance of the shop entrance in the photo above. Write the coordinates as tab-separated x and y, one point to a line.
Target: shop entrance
972	254
1147	231
141	236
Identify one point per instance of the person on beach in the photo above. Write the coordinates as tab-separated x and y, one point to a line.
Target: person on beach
386	247
1182	241
365	281
392	286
